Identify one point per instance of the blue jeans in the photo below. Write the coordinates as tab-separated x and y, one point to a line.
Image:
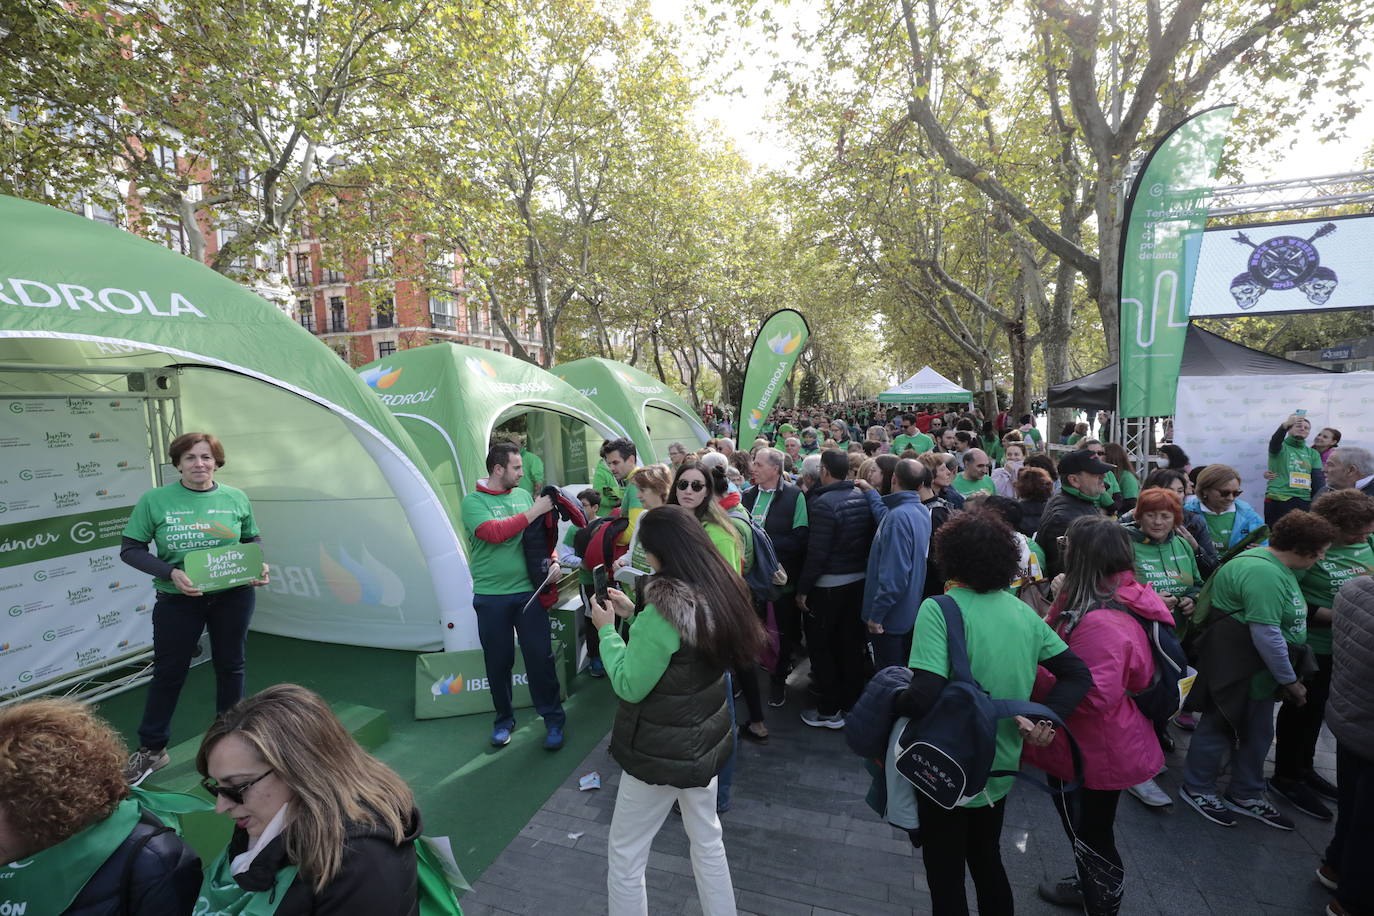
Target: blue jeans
725	779
499	618
890	649
178	621
1214	738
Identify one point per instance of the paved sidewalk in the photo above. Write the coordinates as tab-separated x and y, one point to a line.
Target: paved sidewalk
801	841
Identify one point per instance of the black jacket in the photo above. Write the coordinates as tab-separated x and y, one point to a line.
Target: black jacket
788	543
679	735
377	877
1031	512
152	873
841	533
1060	511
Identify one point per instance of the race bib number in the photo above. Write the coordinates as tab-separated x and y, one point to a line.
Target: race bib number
1300	480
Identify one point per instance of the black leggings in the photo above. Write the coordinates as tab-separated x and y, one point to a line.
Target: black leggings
964	837
1090	814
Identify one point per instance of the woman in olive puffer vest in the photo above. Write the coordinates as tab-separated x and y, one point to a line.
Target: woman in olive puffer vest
672	730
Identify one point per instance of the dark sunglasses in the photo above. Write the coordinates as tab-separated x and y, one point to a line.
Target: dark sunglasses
233	793
1229	494
696	485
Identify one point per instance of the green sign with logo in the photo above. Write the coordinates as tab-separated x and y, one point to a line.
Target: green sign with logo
218	568
780	341
455	683
44	539
1167	206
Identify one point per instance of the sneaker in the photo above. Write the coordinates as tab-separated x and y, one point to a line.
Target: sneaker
813	718
1300	796
500	736
143	763
777	694
1260	809
1064	892
1320	784
1327	876
1186	721
554	739
1334	908
1149	793
748	734
596	668
1209	806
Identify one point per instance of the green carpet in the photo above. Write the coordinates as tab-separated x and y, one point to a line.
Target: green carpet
476	795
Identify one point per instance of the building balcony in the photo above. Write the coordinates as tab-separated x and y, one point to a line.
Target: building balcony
442	321
383	320
338	323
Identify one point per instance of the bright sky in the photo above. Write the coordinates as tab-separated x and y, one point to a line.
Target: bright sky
744	114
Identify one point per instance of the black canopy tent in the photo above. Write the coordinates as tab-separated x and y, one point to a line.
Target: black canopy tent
1204	353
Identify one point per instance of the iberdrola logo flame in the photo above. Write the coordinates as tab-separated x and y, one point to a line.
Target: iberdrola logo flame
481	367
784	344
380	376
447	686
755	418
364	581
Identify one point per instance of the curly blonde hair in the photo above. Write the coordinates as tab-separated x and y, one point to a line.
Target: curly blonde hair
61	769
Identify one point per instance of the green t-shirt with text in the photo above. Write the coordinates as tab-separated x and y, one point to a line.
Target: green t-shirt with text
1006	640
497	569
1343	562
181	520
968	487
1169	568
1257	588
1294	465
920	442
1221	525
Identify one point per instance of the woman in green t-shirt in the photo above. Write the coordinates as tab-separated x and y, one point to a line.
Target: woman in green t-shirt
979	554
192	514
1165	551
1351	556
1295	470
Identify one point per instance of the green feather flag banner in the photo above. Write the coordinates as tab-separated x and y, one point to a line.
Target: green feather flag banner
777	346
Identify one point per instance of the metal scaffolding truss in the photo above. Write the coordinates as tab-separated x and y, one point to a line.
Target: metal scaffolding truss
1293	194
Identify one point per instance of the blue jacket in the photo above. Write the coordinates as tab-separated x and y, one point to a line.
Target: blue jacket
1247	519
897	563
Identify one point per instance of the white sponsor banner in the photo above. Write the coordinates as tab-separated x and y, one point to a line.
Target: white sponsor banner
63	455
1300	266
1229	419
70	471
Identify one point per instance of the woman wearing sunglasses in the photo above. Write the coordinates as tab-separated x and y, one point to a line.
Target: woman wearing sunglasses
1229	518
320	826
694	488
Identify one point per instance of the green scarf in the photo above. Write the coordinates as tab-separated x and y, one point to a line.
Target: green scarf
220	894
46	883
1102	499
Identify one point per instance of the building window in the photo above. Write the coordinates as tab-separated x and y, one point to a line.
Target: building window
242	260
302	269
378	256
386	313
442	309
173	235
333	276
306	310
102	215
337	320
386	348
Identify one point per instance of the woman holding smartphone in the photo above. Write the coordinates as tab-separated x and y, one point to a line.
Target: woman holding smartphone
1295	469
672	731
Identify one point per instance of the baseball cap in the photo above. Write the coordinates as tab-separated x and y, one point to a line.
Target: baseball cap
1082	462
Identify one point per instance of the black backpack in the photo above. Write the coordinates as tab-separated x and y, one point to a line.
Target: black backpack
948	754
1161	701
760	577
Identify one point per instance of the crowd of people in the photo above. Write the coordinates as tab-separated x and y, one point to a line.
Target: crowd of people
1133	603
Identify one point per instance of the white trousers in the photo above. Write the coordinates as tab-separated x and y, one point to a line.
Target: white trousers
640	810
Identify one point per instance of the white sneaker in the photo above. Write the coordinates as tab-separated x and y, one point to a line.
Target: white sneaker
1151	794
814	718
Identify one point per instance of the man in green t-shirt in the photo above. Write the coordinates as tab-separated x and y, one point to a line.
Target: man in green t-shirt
1258	589
496	516
974	477
911	437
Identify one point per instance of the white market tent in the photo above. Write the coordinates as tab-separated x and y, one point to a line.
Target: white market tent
926	386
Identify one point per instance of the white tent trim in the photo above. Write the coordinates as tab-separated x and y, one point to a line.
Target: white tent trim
925	386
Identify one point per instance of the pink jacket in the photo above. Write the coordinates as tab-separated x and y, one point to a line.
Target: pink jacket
1119	745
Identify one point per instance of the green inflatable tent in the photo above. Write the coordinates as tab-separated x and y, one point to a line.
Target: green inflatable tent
652	414
451	399
363	546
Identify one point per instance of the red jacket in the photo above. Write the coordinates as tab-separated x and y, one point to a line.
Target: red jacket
1119	745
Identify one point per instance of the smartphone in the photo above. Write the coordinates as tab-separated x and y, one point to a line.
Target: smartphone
600	583
1302	412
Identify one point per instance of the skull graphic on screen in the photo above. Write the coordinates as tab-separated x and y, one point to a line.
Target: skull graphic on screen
1246	291
1319	289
